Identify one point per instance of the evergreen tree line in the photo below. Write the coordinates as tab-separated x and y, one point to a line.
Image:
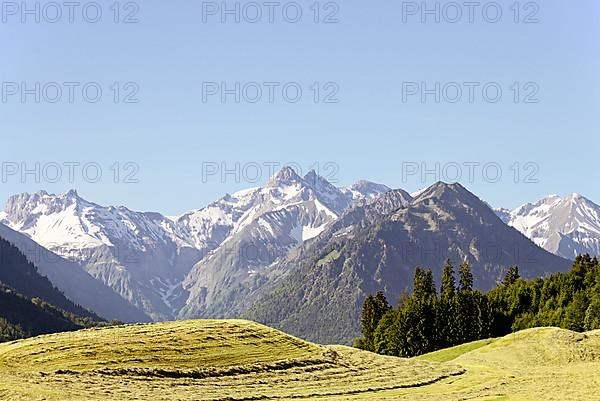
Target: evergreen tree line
30	305
427	320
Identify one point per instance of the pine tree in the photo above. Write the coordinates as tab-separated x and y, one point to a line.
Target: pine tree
420	289
575	313
368	323
466	277
374	308
430	289
448	282
381	305
419	316
423	284
387	335
512	275
467	313
445	319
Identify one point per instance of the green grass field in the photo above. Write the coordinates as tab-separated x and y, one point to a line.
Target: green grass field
240	360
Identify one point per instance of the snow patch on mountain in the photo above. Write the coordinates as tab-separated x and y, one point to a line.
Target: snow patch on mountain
147	257
566	226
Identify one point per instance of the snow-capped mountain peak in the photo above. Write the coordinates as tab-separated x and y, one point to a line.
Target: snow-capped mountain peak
567	226
153	261
285	176
365	190
43	216
288	211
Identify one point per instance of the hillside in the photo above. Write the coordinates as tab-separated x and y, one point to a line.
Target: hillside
18	273
201	360
29	303
377	247
70	278
535	364
21	317
240	360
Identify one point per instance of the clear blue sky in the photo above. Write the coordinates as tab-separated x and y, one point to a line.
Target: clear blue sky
369	133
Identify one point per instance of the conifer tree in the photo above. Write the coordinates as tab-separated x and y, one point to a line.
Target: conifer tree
431	291
448	289
466	311
466	277
512	275
381	305
419	284
445	322
423	284
367	319
374	308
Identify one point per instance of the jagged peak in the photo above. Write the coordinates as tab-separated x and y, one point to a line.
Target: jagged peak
312	175
287	175
19	207
71	193
41	194
388	202
577	197
318	182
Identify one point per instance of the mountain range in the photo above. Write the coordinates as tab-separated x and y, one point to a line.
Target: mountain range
72	280
566	226
377	246
151	261
281	252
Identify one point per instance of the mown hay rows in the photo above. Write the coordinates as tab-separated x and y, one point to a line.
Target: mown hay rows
237	360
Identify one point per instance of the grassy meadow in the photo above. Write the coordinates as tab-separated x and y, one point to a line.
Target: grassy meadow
240	360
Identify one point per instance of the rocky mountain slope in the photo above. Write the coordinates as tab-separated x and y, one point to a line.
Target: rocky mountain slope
30	304
288	211
151	261
376	247
566	226
73	281
138	255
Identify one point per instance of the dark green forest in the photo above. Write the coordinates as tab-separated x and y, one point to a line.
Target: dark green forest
428	319
30	305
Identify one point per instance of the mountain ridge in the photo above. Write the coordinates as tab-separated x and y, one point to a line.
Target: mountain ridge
373	252
145	257
216	261
566	226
